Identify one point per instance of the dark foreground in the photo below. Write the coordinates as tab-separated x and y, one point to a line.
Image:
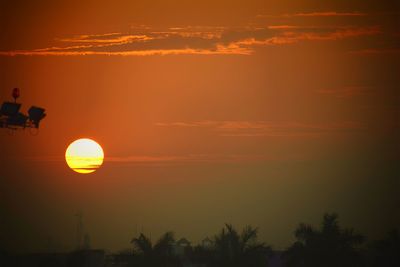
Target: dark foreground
328	245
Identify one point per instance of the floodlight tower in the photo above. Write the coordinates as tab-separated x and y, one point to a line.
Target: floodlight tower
15	94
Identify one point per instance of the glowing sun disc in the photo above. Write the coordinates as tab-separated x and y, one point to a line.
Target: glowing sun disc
84	155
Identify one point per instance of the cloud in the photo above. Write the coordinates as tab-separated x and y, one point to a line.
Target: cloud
149	159
220	50
269	129
202	32
163	160
115	38
292	37
192	40
317	14
284	27
328	14
172	159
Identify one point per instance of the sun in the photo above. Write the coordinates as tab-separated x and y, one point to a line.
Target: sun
84	155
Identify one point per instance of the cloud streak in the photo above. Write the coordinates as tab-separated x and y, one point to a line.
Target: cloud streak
292	37
328	14
220	50
162	160
110	38
317	14
170	159
192	40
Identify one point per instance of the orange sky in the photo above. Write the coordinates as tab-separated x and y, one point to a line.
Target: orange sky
251	112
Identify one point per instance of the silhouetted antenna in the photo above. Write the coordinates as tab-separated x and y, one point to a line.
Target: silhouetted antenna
86	241
79	231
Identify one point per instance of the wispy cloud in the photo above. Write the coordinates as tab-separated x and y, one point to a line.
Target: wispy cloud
207	33
284	27
151	158
292	37
162	160
269	129
174	159
328	14
220	50
192	40
108	38
317	14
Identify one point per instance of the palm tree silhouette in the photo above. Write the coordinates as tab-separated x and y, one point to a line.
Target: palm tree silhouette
330	246
159	254
234	249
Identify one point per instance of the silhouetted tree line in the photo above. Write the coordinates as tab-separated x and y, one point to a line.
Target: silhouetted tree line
159	254
328	245
331	246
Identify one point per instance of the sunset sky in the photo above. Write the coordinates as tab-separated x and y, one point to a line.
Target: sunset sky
267	113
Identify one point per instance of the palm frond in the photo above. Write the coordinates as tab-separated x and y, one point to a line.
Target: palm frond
142	244
248	235
165	243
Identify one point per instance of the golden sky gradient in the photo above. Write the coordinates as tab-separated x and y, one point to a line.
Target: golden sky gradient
250	112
